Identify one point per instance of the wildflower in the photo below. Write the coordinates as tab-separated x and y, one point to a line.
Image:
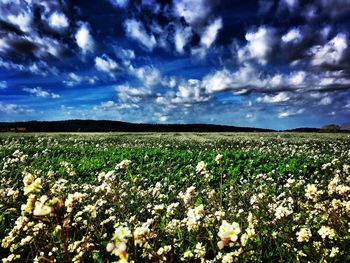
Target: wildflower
201	166
140	233
33	187
303	235
29	206
122	233
188	196
199	250
10	258
123	164
326	231
228	232
40	208
311	192
26	240
188	254
334	252
194	215
218	158
282	211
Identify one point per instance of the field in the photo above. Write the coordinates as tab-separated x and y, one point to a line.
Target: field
230	197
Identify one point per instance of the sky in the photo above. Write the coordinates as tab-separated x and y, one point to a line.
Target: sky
263	63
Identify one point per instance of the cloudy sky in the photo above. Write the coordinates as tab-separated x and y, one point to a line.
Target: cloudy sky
268	63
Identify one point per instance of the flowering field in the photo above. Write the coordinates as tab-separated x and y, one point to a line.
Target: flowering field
175	197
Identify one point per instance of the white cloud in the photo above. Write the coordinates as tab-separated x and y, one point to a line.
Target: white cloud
73	79
260	45
3	85
111	105
58	21
136	30
277	80
297	78
193	11
211	32
14	108
240	81
38	68
106	64
218	81
331	53
288	113
170	82
163	118
181	38
23	20
119	3
84	38
48	46
290	4
294	36
190	91
126	55
129	94
326	101
39	92
148	75
280	97
108	104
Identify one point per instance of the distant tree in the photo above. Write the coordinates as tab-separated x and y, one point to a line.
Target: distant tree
330	128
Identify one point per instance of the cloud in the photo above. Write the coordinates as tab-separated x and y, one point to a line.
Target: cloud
3	85
37	68
211	32
218	81
84	38
111	105
39	92
135	29
292	36
126	55
260	44
22	20
181	38
325	101
186	94
193	11
73	79
119	3
288	113
163	118
278	98
291	5
58	21
14	109
133	95
148	75
106	64
190	91
331	53
297	78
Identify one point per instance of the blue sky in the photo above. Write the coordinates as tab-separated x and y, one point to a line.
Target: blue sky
268	63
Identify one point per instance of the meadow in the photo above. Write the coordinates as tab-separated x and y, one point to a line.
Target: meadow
172	197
